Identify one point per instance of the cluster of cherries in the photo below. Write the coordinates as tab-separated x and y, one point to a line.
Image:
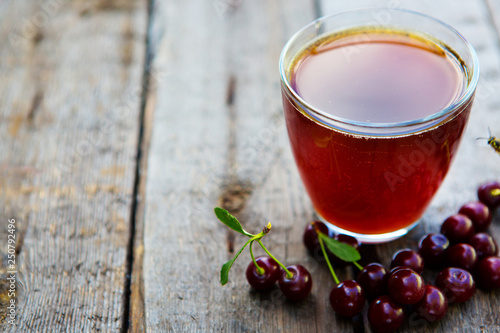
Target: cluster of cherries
295	281
462	246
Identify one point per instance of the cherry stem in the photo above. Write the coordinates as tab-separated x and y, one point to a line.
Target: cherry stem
289	274
259	269
328	260
354	262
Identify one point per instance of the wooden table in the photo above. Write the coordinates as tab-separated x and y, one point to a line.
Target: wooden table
123	123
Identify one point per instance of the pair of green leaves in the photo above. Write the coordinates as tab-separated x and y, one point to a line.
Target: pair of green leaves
232	222
341	250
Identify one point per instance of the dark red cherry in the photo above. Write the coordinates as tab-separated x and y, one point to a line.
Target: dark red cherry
408	258
346	240
478	213
310	237
432	248
456	284
484	245
433	306
487	273
457	228
267	278
405	286
298	286
489	194
397	268
373	280
347	298
385	315
462	256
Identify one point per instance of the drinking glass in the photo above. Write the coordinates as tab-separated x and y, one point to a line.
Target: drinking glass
374	180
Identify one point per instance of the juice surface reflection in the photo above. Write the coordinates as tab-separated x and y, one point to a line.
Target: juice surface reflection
362	183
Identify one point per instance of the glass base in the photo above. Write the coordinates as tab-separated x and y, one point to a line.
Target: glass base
370	238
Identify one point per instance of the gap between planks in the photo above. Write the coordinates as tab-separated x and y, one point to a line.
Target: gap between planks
133	303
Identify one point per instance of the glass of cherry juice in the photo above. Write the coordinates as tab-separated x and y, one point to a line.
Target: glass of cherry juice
375	102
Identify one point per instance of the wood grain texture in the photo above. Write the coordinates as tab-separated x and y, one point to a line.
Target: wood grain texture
212	134
218	138
70	103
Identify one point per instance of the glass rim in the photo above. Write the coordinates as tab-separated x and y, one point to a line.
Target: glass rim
455	105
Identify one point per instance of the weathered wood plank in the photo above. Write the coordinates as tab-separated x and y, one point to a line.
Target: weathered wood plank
216	118
70	103
475	161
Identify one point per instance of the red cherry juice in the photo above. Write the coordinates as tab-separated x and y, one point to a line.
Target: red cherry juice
374	183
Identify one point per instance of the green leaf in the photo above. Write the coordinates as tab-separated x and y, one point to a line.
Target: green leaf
224	271
232	222
344	251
